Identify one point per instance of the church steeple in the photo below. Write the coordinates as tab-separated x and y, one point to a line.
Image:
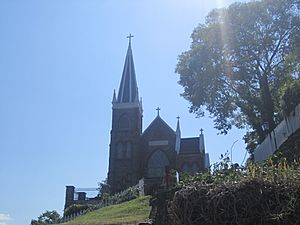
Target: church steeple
124	167
128	90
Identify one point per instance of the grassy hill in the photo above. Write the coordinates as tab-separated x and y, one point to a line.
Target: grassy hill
136	210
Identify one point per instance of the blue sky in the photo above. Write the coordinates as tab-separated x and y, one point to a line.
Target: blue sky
59	63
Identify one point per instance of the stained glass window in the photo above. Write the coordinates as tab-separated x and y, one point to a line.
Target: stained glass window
157	163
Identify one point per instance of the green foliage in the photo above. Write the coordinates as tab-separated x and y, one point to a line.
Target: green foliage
74	209
104	189
222	171
291	96
276	169
237	63
47	218
126	195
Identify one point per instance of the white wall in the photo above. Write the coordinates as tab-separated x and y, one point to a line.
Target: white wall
279	135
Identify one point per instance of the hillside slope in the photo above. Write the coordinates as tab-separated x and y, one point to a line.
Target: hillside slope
136	210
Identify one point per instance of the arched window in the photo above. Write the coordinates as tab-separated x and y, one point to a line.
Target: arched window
119	150
124	122
185	168
124	150
157	163
128	150
195	168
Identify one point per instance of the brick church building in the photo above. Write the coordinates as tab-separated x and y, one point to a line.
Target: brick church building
135	153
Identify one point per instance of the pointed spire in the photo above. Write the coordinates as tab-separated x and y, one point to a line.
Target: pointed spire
114	97
178	136
201	142
128	91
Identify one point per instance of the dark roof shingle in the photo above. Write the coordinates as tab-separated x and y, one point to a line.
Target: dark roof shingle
189	145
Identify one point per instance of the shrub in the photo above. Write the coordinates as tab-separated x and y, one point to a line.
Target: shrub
262	193
74	209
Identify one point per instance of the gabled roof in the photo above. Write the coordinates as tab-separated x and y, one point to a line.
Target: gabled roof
158	122
128	90
189	145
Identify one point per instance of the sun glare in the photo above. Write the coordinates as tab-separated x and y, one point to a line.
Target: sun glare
220	3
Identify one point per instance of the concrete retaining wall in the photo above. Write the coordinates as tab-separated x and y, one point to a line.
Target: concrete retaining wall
279	135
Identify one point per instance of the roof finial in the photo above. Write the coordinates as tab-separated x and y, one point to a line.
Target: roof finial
157	109
178	126
178	136
114	97
201	131
129	37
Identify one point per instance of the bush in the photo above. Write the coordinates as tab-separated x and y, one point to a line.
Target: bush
248	202
47	217
265	193
74	209
126	195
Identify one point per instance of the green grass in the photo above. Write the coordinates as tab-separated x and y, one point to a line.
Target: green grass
136	210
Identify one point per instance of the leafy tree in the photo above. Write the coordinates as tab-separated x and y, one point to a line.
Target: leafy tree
47	217
104	189
35	222
237	62
291	96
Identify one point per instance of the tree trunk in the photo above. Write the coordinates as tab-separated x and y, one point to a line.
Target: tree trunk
267	105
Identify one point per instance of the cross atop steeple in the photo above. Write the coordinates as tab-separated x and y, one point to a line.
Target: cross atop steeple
129	37
201	131
157	109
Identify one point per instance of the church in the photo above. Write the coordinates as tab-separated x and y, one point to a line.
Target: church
136	153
